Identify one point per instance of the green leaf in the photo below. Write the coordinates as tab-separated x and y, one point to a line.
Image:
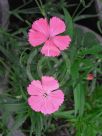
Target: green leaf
64	114
94	50
13	107
36	123
79	99
69	22
75	70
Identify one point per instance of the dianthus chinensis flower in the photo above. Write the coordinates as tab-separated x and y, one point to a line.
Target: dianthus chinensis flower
45	95
47	33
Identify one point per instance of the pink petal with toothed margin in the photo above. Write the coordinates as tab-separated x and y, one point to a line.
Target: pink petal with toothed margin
35	88
48	107
49	49
57	97
57	26
52	102
35	102
49	84
36	38
62	42
41	25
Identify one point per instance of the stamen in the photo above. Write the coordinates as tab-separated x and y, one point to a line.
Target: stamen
45	94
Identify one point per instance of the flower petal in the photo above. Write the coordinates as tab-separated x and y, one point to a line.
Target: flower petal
36	38
57	97
42	26
35	102
35	88
62	42
57	26
48	107
49	84
49	49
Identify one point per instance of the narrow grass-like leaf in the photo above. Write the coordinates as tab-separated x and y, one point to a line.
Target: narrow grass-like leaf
69	23
64	114
13	107
79	99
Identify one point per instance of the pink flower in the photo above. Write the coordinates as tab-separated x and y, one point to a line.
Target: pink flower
45	95
42	32
90	77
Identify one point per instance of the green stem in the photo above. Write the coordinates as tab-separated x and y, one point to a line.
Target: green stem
77	8
40	6
28	69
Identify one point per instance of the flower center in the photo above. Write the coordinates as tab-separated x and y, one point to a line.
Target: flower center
50	37
45	94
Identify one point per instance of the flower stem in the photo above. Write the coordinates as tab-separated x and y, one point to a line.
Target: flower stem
41	7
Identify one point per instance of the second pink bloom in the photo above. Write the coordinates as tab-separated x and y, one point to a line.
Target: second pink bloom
45	95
